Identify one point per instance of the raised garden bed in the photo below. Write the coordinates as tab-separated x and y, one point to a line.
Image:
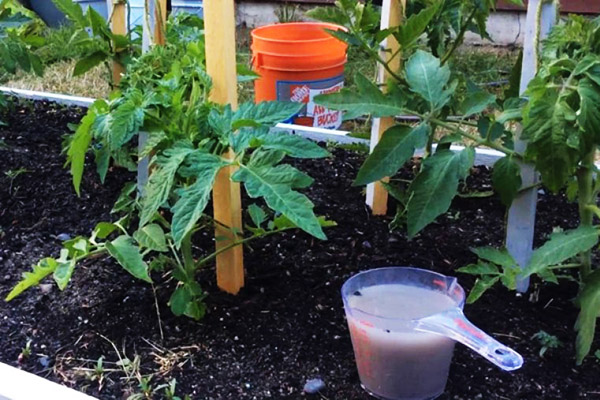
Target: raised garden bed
287	325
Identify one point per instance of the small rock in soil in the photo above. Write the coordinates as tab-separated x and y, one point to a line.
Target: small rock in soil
63	236
313	386
44	361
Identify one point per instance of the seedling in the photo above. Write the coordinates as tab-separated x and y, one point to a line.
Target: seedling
547	341
25	352
14	174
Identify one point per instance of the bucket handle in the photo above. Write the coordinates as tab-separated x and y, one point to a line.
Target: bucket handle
455	325
257	60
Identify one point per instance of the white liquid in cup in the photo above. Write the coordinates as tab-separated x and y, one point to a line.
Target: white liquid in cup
400	363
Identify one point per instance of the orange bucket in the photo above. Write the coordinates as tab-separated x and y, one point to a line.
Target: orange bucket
296	62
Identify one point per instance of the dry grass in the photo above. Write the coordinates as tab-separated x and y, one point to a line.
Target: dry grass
58	79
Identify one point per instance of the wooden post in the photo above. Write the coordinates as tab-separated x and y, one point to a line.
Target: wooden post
521	215
219	23
118	13
160	25
392	13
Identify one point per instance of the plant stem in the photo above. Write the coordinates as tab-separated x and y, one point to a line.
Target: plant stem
585	182
206	259
459	37
186	251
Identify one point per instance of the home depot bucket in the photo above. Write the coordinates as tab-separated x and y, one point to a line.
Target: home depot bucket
296	62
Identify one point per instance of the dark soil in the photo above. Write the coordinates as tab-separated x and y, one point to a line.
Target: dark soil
287	325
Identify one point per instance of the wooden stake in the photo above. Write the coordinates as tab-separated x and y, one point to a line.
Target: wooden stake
118	25
521	215
160	25
219	21
392	13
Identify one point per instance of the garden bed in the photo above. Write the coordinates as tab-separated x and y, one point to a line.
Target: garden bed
287	325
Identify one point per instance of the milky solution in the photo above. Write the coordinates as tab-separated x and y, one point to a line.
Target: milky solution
394	361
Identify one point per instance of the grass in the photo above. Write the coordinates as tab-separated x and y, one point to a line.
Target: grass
58	79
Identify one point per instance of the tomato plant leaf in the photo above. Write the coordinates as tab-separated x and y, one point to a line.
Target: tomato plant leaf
506	179
257	214
275	186
589	303
396	146
435	186
480	287
151	237
497	256
426	76
476	102
194	198
88	62
550	134
589	115
367	98
78	148
73	11
128	256
63	272
161	180
41	270
481	268
415	25
293	145
560	247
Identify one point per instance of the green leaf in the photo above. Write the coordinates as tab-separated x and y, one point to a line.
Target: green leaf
179	300
480	287
125	120
73	12
365	99
89	62
396	146
589	303
257	215
497	256
506	179
435	187
42	269
151	237
104	229
426	76
63	272
267	112
589	115
128	256
560	247
78	147
293	145
274	185
514	87
475	103
161	180
193	199
411	29
549	131
245	74
481	268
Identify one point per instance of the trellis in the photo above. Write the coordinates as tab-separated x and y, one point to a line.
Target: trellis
541	16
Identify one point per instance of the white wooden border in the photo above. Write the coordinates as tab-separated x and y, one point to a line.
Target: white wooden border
482	156
16	384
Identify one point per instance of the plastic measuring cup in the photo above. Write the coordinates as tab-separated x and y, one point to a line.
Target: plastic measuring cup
403	323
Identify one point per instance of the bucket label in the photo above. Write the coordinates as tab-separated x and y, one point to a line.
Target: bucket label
304	92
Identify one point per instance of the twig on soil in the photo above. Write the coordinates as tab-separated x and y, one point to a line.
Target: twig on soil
160	328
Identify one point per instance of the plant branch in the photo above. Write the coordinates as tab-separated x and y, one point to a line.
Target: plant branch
459	37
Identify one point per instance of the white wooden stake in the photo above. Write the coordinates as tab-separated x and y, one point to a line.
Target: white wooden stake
521	215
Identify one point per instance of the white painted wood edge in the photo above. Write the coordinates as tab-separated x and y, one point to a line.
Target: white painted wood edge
482	156
16	384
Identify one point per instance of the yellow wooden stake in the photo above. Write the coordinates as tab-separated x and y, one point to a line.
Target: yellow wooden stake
219	29
160	24
392	13
118	27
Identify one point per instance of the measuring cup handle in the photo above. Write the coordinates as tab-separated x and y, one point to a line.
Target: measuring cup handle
455	325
